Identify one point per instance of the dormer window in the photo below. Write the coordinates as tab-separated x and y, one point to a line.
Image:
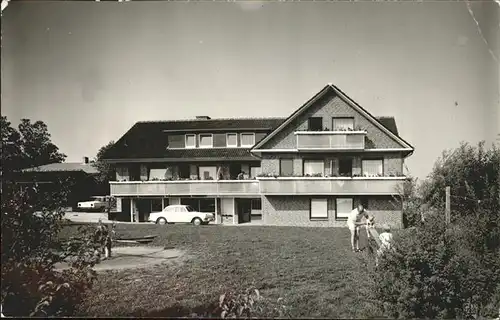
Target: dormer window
247	139
190	141
231	140
206	141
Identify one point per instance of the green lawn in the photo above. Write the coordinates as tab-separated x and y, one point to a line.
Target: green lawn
312	269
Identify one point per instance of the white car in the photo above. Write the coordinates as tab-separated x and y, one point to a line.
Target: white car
99	203
180	214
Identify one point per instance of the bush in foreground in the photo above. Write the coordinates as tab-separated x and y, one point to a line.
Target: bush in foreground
440	272
31	286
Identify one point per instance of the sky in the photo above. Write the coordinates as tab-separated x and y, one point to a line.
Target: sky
90	70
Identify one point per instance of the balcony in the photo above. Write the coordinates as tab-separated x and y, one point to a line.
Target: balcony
330	186
185	188
330	140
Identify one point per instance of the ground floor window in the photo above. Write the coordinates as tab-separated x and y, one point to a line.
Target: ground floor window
343	208
319	209
156	205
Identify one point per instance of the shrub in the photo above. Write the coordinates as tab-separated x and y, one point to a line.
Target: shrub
31	285
440	272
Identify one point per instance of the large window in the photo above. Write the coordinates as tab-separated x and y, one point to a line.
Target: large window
156	205
207	173
190	141
319	209
158	174
255	171
314	167
343	208
373	167
206	141
345	167
343	124
231	140
315	124
286	167
247	139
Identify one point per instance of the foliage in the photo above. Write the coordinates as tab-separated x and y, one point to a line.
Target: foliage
249	304
473	173
439	271
27	146
31	285
106	170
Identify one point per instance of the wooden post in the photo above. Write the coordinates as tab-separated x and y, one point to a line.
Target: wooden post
216	213
131	209
447	209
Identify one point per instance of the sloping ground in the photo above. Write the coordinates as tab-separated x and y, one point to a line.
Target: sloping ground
312	269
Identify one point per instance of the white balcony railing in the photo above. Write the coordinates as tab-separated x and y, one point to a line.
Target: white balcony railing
184	188
331	186
330	140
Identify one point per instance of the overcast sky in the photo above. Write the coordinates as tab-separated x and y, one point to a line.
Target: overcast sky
91	70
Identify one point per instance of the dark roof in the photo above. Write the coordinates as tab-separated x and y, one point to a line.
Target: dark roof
142	141
389	123
64	167
181	155
263	124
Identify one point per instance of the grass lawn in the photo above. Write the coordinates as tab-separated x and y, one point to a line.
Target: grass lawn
312	269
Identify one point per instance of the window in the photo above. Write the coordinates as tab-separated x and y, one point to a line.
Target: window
156	205
372	167
343	124
256	204
231	140
343	208
247	139
158	174
286	167
315	124
207	173
319	209
345	167
189	209
206	141
190	141
314	167
255	171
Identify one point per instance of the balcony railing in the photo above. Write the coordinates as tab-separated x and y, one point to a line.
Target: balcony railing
330	186
330	140
185	188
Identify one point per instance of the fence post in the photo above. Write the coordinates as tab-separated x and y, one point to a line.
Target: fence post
447	209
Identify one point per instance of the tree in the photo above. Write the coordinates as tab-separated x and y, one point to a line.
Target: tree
473	175
30	146
448	271
106	170
37	147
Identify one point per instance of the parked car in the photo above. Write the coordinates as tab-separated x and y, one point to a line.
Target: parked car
98	203
181	214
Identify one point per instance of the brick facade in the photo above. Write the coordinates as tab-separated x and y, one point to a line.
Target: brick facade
328	107
295	211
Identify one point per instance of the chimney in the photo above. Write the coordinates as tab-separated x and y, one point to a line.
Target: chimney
85	160
202	118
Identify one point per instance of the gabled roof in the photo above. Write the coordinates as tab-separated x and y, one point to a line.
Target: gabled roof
64	167
386	124
144	139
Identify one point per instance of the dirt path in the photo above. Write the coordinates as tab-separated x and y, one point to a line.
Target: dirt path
137	257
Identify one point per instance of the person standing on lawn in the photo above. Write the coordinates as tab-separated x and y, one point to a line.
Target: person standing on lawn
354	222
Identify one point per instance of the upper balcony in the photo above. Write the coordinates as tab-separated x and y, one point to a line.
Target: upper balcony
347	186
185	188
330	140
